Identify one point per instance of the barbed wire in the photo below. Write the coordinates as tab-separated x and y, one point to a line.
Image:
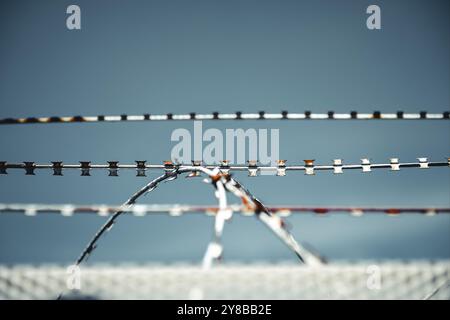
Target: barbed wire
253	167
175	210
261	115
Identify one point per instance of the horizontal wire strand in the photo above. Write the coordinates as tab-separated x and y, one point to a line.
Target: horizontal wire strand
33	209
261	115
253	168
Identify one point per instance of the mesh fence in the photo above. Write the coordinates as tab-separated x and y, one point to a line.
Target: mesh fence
362	280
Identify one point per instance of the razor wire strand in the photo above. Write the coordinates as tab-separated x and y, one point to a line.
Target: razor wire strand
253	168
239	115
175	210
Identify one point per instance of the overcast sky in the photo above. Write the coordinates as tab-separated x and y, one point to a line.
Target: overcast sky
140	57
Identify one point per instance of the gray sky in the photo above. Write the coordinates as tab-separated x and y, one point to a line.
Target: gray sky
201	56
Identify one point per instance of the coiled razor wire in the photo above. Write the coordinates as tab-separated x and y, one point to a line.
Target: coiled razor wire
261	115
175	210
221	181
253	168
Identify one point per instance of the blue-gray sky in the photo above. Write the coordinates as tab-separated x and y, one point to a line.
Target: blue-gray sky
201	56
